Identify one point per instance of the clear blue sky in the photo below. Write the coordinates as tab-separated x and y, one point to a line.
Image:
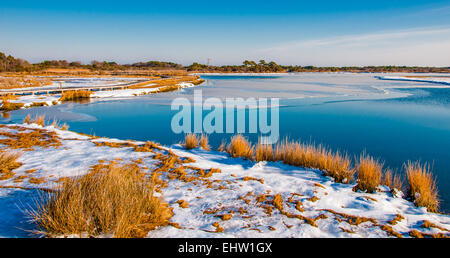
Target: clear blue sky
323	32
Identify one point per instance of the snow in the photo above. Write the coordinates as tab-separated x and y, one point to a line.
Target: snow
431	79
50	100
79	152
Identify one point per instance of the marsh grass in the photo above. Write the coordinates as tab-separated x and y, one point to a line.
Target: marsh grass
333	164
264	152
191	141
240	147
8	162
204	142
39	120
10	106
56	124
72	95
369	173
392	180
422	186
110	200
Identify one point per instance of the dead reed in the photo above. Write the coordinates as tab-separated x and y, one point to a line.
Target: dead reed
240	147
72	95
110	200
191	141
422	186
369	173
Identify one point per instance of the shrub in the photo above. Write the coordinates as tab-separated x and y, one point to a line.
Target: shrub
116	200
369	173
240	147
191	141
422	186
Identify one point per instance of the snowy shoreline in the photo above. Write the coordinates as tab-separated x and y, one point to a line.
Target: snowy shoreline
51	100
237	189
437	80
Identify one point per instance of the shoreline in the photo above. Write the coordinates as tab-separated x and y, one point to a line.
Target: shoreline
136	89
235	183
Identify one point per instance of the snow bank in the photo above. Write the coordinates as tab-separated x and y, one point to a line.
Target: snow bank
437	79
245	190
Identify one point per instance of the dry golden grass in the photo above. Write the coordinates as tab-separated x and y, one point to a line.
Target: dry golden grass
264	152
23	82
57	125
204	142
9	106
38	104
116	200
39	120
391	232
369	173
75	95
334	164
429	224
8	97
29	139
27	119
422	186
240	147
391	180
191	141
168	88
8	162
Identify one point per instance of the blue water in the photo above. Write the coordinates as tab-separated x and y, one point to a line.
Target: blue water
414	127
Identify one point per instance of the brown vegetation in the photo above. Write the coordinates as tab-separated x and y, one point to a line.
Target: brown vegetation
29	139
191	141
204	142
422	186
264	152
115	200
369	173
8	162
75	95
334	164
9	106
240	147
393	181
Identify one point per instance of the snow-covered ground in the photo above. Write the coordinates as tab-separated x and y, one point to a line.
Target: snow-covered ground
235	201
81	82
50	100
431	79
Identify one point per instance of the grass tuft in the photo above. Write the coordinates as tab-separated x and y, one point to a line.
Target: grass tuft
240	147
110	200
393	181
422	186
204	142
369	173
39	120
191	141
334	164
72	95
264	152
8	162
9	106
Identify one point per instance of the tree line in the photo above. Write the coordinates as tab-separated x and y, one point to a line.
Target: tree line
12	64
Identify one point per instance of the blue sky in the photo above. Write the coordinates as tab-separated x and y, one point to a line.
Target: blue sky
323	32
